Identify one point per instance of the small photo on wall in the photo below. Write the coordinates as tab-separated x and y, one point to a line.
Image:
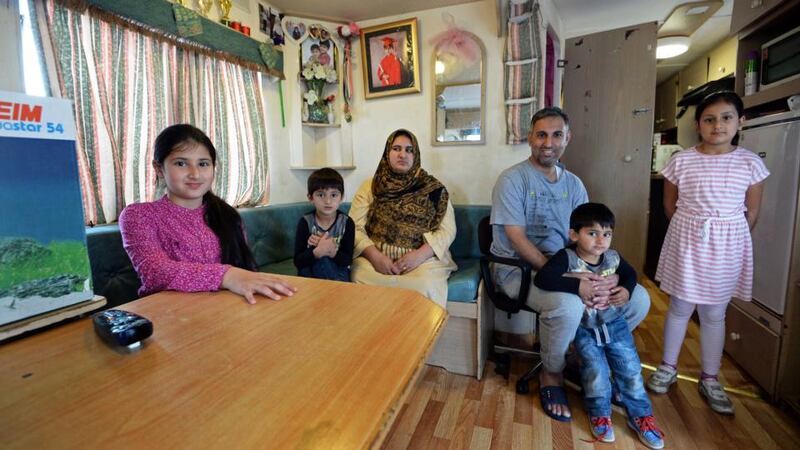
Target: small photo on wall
317	50
269	22
390	59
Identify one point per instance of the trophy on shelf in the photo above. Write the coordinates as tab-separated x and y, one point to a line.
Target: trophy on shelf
205	6
225	7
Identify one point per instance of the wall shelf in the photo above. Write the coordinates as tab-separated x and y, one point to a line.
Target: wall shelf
316	145
322	125
320	167
778	20
778	92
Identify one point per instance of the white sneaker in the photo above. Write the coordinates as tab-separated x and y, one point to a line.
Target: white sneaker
716	397
660	380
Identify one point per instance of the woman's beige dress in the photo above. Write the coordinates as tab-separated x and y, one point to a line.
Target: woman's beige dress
429	278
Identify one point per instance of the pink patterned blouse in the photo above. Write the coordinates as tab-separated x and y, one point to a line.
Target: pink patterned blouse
171	247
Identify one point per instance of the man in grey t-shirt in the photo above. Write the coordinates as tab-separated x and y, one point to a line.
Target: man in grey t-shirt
531	205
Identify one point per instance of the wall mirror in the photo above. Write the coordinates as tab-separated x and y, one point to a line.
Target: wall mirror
459	106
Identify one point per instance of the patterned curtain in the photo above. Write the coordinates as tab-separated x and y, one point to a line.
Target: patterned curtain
524	68
127	87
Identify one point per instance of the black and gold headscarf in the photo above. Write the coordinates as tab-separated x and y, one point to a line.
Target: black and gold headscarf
405	205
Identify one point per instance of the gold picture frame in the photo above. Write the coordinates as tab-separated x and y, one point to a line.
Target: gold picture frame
390	59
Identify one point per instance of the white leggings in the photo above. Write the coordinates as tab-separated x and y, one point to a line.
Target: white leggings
712	332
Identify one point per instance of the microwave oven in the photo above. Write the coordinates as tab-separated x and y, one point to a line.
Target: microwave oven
780	59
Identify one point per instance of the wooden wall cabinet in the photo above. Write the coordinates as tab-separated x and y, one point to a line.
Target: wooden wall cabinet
752	343
776	18
719	63
666	104
694	75
746	12
658	117
722	60
788	389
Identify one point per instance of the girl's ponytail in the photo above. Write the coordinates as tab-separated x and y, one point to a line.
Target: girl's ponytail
226	223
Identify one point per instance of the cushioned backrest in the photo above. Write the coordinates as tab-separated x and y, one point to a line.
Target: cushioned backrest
467	219
113	276
270	229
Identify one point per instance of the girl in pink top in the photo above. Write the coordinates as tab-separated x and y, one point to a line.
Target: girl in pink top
712	193
191	240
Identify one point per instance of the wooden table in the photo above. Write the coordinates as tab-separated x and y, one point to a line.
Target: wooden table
327	368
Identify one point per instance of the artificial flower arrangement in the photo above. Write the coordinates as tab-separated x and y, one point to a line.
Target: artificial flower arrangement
316	76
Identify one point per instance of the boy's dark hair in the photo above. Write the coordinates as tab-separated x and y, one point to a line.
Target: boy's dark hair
314	47
325	178
327	44
551	111
729	97
588	214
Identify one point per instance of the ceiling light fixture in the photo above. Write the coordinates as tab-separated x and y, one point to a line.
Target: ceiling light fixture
697	10
671	46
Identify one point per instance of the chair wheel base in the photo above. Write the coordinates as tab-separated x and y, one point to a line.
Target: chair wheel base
502	364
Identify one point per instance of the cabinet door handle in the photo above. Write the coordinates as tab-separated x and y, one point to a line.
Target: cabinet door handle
735	336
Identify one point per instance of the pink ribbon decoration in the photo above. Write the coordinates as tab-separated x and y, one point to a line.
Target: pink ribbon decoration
347	33
457	42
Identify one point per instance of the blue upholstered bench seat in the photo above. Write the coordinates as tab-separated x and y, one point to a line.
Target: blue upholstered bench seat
285	267
270	234
461	287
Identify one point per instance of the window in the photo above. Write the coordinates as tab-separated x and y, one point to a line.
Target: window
32	67
127	86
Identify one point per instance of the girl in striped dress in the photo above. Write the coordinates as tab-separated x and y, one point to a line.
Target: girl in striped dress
712	194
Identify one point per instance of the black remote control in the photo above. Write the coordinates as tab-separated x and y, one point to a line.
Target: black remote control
122	328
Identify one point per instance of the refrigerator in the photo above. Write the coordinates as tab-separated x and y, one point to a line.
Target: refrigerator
776	139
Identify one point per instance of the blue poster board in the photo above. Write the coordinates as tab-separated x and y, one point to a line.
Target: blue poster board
44	263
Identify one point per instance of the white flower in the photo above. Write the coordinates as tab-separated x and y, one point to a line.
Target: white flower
330	76
311	97
308	72
319	71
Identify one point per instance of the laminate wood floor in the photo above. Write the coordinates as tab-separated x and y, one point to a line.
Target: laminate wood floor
447	411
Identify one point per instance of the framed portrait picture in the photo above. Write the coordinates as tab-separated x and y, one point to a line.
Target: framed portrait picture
390	59
318	47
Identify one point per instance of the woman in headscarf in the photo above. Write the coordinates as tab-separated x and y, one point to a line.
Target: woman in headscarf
404	224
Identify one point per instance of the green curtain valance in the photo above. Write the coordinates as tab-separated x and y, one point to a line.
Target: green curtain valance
156	18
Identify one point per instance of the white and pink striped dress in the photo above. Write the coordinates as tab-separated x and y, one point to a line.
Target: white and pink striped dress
707	256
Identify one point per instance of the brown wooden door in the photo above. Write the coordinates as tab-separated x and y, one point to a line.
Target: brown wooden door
609	95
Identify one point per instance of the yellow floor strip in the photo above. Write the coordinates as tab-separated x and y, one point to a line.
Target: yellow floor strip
695	380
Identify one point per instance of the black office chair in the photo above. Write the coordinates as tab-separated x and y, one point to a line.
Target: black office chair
510	305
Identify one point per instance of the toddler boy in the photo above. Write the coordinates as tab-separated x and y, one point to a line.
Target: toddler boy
323	246
603	341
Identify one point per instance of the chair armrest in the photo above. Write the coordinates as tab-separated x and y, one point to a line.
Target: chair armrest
516	262
502	301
